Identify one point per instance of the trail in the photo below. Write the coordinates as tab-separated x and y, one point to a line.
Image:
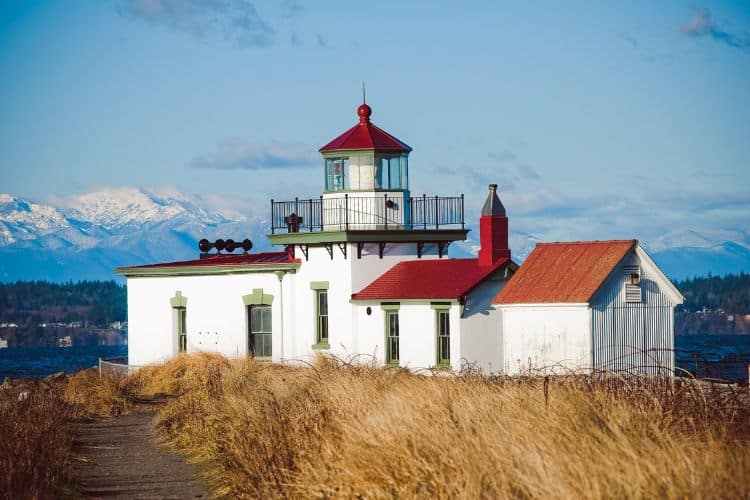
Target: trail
122	457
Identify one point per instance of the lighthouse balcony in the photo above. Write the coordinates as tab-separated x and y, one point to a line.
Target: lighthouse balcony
388	211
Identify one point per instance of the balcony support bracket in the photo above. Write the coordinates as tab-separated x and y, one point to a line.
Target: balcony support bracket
304	249
381	248
420	247
360	246
442	247
342	247
329	247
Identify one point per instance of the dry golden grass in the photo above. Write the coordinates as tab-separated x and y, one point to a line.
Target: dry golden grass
90	395
340	430
35	443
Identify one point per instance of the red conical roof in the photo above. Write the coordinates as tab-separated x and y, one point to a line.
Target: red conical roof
365	135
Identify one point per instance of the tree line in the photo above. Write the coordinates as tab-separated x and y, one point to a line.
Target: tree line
714	304
94	303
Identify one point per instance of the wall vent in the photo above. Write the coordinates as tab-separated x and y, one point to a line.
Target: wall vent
632	278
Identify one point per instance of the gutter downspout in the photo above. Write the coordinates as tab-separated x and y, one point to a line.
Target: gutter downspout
280	275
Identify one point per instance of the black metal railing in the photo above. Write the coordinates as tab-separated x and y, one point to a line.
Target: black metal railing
367	212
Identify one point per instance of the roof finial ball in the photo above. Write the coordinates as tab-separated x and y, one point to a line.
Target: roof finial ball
364	111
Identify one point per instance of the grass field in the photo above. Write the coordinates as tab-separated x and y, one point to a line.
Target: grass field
337	430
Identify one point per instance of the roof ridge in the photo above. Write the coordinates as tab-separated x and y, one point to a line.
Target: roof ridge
588	242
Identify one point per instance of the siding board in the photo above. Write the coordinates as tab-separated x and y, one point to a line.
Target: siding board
633	336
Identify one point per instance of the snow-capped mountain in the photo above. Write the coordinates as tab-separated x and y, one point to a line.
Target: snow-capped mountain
87	236
688	253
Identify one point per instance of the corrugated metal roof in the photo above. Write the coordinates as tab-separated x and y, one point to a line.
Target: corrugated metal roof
366	135
226	260
564	272
428	279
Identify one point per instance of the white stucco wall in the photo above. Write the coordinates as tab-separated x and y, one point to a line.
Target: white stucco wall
216	315
417	336
217	318
544	336
480	325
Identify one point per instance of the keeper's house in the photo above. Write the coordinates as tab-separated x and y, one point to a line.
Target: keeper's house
363	271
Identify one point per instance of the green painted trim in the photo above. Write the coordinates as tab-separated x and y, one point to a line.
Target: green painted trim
204	270
178	300
257	298
442	366
369	236
318	285
386	345
440	363
321	345
390	306
440	305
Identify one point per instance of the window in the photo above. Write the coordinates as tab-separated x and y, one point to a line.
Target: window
259	334
393	173
443	338
322	313
391	341
181	329
336	169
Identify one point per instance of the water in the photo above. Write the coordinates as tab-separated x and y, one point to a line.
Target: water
18	362
718	356
724	357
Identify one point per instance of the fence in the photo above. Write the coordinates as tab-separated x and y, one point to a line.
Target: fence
118	366
367	212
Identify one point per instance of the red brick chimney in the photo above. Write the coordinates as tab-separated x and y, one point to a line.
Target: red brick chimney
493	230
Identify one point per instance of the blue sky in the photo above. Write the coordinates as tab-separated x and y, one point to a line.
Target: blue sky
597	120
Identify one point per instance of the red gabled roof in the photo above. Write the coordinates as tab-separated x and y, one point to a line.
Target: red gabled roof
563	272
366	135
226	259
428	279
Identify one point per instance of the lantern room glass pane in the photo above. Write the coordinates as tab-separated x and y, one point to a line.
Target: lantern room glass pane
394	173
336	174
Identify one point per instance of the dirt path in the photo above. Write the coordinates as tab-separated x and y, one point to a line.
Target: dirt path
122	457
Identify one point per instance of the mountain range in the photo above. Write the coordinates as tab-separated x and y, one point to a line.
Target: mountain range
87	236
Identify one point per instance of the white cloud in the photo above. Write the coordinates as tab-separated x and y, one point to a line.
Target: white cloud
239	154
236	21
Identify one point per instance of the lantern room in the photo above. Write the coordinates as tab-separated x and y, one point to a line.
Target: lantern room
366	199
366	158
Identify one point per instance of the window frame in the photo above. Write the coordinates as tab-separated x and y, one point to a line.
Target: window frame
329	176
320	341
268	335
440	360
389	358
181	328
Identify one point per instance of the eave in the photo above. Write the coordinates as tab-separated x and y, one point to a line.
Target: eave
373	236
143	272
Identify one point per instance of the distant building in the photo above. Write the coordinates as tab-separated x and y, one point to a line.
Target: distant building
364	272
